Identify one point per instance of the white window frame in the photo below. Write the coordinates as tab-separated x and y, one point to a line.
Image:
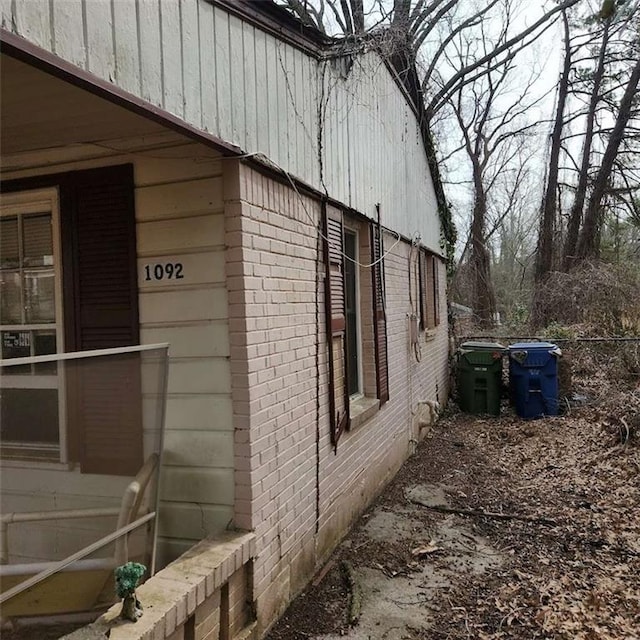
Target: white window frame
24	203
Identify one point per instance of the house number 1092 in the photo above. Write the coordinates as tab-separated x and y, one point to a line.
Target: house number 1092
167	271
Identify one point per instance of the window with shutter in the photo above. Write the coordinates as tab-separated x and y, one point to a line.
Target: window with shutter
429	294
436	292
356	321
429	290
352	312
105	435
336	322
98	260
31	401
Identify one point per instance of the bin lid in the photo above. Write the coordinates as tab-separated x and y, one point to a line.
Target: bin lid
531	346
482	346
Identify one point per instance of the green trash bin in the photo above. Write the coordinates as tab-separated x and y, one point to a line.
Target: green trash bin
480	377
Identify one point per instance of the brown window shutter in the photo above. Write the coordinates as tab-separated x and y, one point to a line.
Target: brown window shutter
379	316
436	292
335	244
105	400
99	245
335	312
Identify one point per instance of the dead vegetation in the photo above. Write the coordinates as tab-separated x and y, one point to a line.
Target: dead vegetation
602	297
577	579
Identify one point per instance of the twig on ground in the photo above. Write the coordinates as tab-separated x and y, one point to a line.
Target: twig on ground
511	614
320	577
625	438
480	513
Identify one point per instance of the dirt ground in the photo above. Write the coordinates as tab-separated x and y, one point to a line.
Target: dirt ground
495	528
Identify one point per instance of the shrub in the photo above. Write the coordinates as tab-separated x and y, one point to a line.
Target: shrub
598	294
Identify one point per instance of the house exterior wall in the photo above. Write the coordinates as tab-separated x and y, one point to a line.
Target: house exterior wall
298	493
248	427
179	219
223	75
248	437
373	151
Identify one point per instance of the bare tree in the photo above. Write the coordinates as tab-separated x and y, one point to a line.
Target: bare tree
505	50
595	108
463	52
588	242
545	250
407	26
494	129
575	216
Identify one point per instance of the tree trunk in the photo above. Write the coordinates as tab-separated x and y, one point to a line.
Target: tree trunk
546	250
575	216
484	300
589	240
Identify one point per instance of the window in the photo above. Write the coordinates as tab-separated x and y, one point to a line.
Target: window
422	280
356	320
31	406
75	255
352	315
436	290
429	277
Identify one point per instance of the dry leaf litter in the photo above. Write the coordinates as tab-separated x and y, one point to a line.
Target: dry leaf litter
567	544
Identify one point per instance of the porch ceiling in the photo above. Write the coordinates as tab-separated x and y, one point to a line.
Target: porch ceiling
39	111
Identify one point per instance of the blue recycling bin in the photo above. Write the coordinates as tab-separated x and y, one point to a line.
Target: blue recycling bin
533	378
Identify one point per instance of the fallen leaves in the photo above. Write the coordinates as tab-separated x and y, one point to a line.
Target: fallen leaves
588	603
576	578
579	579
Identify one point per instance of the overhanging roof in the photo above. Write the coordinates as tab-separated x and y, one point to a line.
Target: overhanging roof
22	50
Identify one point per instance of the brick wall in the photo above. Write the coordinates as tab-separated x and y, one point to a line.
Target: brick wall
292	488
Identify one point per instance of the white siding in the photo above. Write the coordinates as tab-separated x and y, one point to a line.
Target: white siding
263	131
190	41
101	53
374	152
258	92
272	99
127	53
209	103
171	53
180	219
220	43
150	52
250	86
34	21
69	34
236	97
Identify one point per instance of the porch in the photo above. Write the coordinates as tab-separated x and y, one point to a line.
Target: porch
81	442
159	278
